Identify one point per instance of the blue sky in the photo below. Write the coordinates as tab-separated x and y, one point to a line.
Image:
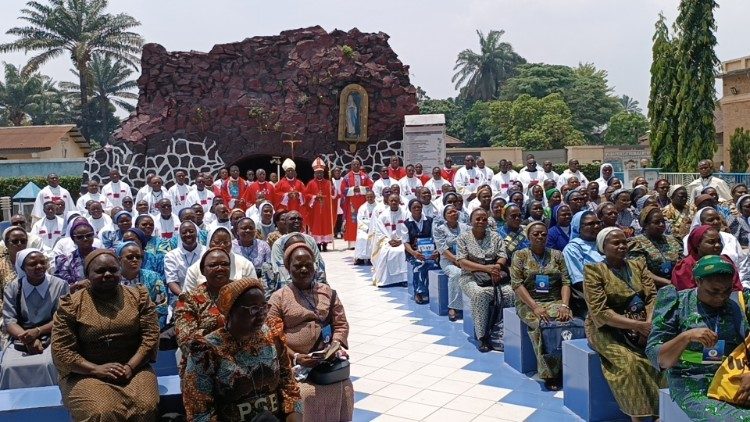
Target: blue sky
427	35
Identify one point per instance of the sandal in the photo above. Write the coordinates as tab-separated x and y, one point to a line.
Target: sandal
452	315
552	384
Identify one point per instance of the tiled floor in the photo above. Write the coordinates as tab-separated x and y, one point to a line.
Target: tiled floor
409	364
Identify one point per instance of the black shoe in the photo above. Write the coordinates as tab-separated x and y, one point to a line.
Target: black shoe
325	247
368	262
359	262
552	384
452	315
484	347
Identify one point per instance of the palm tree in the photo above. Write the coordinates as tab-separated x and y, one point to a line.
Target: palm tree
483	73
111	85
51	107
18	94
630	105
79	28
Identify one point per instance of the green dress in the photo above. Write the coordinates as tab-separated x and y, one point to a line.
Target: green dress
630	375
677	312
661	255
523	271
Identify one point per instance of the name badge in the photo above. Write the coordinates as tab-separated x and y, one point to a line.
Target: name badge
541	283
504	186
55	198
203	202
714	355
326	333
182	197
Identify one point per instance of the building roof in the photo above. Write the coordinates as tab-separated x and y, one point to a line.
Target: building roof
453	142
25	139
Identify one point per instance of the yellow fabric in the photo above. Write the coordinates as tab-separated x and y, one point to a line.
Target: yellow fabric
726	382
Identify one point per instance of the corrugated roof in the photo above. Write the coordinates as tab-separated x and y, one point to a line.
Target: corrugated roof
40	138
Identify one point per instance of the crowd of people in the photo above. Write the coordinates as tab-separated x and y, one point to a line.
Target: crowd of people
230	274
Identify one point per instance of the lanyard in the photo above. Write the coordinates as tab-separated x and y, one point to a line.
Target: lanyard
704	316
543	262
192	258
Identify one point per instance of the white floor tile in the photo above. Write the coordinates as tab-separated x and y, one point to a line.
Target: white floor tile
357	370
370	348
389	418
377	404
507	411
452	362
416	356
405	365
451	386
469	404
387	375
376	361
426	338
414	411
397	391
417	381
438	349
487	392
433	398
559	395
435	371
468	376
449	415
368	386
393	352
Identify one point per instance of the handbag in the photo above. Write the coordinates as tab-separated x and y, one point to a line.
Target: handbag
725	383
636	310
495	325
555	332
335	370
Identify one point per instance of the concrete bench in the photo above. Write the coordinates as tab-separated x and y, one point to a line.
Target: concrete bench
669	410
438	290
45	403
410	279
587	393
519	352
468	321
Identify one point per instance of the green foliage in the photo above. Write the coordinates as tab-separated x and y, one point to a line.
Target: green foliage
695	91
585	90
535	123
482	74
630	104
625	128
30	99
739	150
661	104
10	186
347	51
78	29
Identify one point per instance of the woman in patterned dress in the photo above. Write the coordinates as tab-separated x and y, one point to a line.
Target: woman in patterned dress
71	267
103	337
482	250
241	371
130	255
445	241
687	321
678	212
660	252
610	288
313	319
512	233
536	303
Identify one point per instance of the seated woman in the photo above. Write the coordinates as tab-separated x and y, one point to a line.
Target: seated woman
445	241
497	208
516	198
738	224
581	250
687	323
30	301
512	233
178	260
154	244
554	198
240	267
195	313
279	220
313	320
16	239
593	195
241	371
612	288
702	241
389	254
559	234
420	249
678	213
71	267
542	288
66	245
535	212
264	222
130	255
661	253
607	213
103	337
112	236
247	245
626	218
481	250
730	246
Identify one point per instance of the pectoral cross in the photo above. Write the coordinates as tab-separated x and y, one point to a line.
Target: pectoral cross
107	340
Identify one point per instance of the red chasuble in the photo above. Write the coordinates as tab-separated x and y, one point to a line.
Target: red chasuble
290	196
257	188
350	203
320	200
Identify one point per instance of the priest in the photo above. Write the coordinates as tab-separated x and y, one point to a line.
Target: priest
354	186
289	190
52	192
320	196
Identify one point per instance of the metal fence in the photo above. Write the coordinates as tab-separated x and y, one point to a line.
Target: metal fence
685	178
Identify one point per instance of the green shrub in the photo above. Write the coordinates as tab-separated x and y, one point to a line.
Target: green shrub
10	186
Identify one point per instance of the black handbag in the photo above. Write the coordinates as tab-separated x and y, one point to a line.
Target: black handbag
335	370
555	332
636	310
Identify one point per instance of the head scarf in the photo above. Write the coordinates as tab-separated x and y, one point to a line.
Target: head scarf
232	290
575	224
707	188
557	209
293	247
92	256
139	234
740	200
21	258
448	195
683	276
603	236
7	232
702	198
570	194
197	237
69	216
549	192
121	214
408	206
674	188
510	198
77	225
601	170
712	265
643	216
530	225
208	252
694	239
122	245
635	191
213	231
448	208
640	203
619	192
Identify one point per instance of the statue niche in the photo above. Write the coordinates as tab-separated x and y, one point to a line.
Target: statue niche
353	110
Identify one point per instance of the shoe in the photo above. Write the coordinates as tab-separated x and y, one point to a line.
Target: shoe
358	262
484	347
552	384
368	262
452	315
420	300
325	247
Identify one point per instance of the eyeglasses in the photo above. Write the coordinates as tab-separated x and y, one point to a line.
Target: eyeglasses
18	241
257	309
133	257
218	265
593	223
86	236
221	242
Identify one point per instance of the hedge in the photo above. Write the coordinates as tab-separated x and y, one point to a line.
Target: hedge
10	186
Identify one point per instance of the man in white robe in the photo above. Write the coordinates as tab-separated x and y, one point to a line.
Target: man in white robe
49	229
178	193
153	195
166	224
116	189
200	194
435	185
549	173
97	218
503	179
51	192
706	179
530	176
384	182
389	255
468	178
362	249
93	195
486	172
409	184
574	169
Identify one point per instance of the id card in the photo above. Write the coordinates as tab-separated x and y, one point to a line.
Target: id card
425	245
326	333
541	283
714	355
666	267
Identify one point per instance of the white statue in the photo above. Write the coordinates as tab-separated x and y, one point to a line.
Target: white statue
352	117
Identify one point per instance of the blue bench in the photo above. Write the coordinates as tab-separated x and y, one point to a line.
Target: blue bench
438	291
669	410
166	363
519	352
587	393
45	403
410	279
468	322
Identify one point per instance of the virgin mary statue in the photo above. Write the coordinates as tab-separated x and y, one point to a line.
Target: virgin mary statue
352	116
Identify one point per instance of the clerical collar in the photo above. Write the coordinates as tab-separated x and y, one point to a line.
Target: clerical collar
165	218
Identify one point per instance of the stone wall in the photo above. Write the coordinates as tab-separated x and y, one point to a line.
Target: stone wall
242	99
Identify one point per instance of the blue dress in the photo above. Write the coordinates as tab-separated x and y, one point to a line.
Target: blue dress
557	238
421	269
157	291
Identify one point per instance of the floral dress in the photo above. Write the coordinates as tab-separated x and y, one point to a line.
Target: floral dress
679	222
227	379
513	240
157	291
523	271
677	312
195	315
445	240
661	255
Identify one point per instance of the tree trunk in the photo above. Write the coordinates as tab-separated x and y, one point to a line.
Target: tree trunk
83	84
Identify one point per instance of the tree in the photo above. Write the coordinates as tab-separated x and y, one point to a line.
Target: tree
79	28
482	74
535	123
695	90
661	104
111	85
30	99
625	128
739	150
630	104
52	106
538	80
